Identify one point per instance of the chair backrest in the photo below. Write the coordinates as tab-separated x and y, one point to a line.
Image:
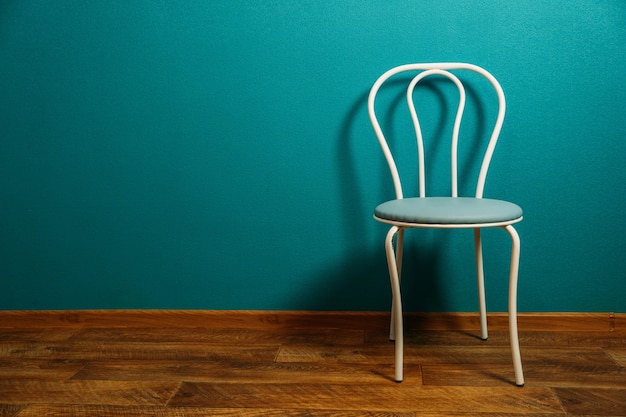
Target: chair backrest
423	71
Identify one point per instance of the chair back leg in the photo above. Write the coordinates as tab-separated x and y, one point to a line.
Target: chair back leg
480	276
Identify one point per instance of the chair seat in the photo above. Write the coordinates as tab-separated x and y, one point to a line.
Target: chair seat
448	210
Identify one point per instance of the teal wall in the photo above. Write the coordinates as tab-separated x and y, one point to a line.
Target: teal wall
216	154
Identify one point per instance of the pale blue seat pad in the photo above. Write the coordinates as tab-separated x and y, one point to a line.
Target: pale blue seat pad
448	210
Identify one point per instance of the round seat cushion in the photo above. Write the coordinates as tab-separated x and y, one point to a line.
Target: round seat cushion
448	210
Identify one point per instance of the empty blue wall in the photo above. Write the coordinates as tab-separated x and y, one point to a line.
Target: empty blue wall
217	154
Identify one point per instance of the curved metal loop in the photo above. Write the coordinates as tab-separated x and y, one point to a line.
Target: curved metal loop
442	69
418	130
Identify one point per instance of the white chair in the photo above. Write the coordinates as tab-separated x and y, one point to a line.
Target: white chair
450	211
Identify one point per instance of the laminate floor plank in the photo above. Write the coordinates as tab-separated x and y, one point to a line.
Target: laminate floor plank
238	372
222	336
593	401
616	339
37	391
535	375
39	368
565	356
53	334
384	353
606	339
8	410
117	411
373	397
466	337
326	353
618	355
136	350
430	354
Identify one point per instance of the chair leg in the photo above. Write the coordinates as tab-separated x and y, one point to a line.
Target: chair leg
394	276
515	256
480	276
399	249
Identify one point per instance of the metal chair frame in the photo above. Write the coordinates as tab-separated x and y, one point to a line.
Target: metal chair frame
396	232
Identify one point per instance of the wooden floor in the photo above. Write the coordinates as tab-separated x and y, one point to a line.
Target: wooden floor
155	363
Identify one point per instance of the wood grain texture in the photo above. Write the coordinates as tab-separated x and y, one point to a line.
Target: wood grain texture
234	371
163	363
579	322
40	368
384	397
137	350
548	375
7	410
115	411
589	400
38	391
618	355
230	336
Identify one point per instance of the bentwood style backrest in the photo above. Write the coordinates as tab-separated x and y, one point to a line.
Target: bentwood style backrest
440	69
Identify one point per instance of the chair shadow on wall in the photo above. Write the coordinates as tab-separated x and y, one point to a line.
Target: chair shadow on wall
359	279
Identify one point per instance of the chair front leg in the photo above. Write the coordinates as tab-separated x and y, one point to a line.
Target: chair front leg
513	276
396	313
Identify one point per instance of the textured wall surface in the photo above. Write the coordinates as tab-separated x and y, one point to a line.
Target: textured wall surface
218	155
